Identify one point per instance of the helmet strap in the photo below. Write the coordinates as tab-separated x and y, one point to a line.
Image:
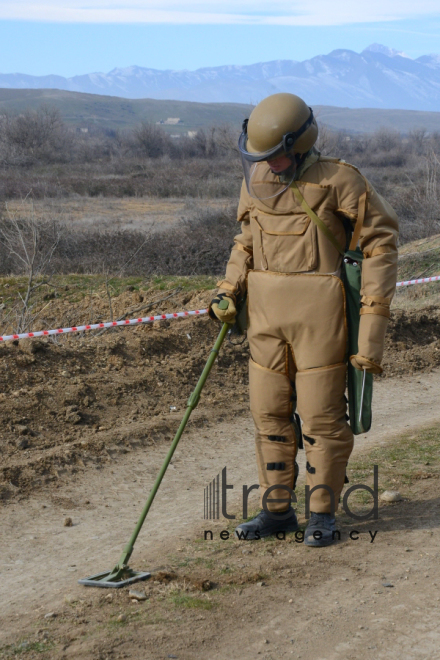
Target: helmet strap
300	158
289	139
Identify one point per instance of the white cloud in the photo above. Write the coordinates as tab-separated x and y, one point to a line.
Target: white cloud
251	12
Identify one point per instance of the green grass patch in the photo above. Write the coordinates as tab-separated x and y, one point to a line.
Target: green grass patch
417	260
188	283
227	570
402	463
75	287
60	297
181	599
205	561
415	266
24	647
146	615
183	563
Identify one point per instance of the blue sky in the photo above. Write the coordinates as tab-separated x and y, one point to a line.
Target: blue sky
68	37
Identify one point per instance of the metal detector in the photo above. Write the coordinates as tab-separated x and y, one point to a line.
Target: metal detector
122	575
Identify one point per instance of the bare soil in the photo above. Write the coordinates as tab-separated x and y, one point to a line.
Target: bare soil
90	397
85	424
412	341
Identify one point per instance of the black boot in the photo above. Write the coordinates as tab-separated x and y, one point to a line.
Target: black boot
265	525
323	523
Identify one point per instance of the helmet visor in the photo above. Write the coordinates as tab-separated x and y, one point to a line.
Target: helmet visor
286	145
260	155
262	183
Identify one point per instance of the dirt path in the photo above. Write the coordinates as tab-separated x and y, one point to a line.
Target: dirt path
41	559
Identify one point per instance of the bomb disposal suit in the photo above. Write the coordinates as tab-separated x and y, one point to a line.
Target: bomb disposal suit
291	271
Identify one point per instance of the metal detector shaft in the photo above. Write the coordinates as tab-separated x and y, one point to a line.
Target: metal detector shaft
192	403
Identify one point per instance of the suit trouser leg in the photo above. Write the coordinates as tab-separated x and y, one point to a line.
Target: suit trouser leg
297	333
275	440
328	439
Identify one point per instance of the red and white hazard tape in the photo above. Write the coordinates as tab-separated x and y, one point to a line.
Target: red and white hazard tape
149	319
436	278
98	326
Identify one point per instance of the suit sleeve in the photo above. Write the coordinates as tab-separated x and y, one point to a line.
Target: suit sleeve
377	240
241	259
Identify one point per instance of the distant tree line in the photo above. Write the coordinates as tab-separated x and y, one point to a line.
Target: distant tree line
41	137
40	156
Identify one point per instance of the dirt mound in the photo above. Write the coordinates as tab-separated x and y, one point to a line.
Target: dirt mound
81	400
412	341
65	405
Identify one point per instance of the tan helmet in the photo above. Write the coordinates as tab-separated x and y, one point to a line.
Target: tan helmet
281	123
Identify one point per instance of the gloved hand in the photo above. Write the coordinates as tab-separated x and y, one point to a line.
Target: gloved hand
362	363
372	330
216	310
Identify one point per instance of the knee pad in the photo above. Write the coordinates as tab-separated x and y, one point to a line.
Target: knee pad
270	394
328	439
275	440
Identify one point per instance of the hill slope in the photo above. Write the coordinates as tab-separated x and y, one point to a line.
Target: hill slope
81	109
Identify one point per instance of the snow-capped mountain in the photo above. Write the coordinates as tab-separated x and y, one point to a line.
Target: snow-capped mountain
379	77
384	50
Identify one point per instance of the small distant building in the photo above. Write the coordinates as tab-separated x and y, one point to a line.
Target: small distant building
192	134
171	121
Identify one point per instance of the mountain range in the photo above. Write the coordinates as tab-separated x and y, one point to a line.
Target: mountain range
378	77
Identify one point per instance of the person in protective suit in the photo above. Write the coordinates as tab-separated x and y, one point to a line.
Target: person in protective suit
297	328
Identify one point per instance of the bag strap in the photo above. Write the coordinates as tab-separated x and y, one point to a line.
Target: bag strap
360	221
362	206
319	223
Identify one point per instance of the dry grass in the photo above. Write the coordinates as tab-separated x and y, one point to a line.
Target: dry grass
199	245
108	194
115	213
418	259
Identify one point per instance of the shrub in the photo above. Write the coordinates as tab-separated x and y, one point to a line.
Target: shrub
200	245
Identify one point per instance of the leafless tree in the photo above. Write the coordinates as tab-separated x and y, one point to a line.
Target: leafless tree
151	140
30	244
418	139
424	198
35	135
386	139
